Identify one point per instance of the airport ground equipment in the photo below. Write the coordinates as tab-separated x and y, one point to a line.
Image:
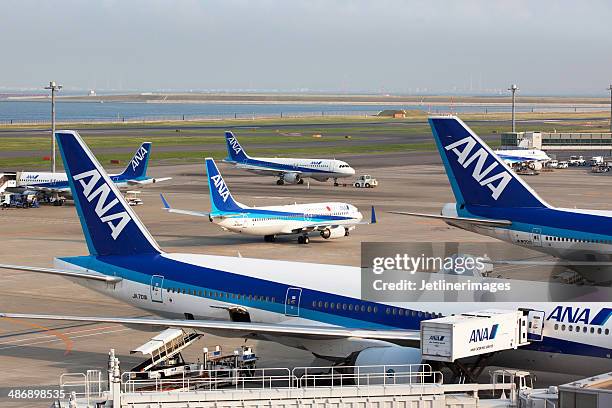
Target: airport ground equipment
451	338
164	349
366	181
133	197
416	386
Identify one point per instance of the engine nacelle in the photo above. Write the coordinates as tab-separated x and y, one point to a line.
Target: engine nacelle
535	165
333	233
402	365
291	178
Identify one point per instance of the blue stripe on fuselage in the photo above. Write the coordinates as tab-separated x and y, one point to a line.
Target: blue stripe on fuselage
563	223
282	167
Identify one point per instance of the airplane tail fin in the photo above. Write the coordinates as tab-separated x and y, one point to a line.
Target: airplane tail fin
137	167
477	175
221	199
235	152
109	224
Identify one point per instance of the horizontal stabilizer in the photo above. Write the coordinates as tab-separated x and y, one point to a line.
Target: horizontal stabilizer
481	221
184	212
62	272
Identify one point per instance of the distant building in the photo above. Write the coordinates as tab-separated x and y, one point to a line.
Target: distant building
392	113
558	140
92	92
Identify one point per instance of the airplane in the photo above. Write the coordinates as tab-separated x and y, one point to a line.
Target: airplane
292	171
492	200
56	184
313	307
331	220
532	158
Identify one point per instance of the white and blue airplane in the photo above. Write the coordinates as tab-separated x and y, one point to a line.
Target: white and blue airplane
492	200
331	220
292	171
532	158
313	307
56	184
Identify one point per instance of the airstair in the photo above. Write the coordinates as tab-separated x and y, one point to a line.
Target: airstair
165	349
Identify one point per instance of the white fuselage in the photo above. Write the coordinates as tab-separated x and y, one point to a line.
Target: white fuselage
290	219
318	169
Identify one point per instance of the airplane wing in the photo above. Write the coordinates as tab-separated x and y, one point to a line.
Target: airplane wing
63	272
46	189
147	181
185	212
400	337
480	221
265	170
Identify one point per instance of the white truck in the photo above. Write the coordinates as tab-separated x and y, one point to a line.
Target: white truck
577	161
450	338
366	181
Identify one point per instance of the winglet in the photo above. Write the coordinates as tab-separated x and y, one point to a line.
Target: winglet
166	205
373	216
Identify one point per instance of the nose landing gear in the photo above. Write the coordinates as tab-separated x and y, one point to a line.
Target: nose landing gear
303	239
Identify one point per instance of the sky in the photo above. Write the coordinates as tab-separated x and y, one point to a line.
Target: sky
378	46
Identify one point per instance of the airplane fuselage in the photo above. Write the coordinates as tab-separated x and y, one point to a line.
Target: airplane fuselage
289	219
189	286
318	169
568	234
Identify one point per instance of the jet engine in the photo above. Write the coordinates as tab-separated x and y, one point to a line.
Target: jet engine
401	365
535	165
333	233
390	355
291	178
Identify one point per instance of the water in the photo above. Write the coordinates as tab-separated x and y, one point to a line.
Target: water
32	112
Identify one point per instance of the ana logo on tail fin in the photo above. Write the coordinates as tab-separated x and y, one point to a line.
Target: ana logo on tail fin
220	197
234	149
477	175
137	167
88	181
109	224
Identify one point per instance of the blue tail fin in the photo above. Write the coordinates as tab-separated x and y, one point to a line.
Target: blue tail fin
221	199
478	177
235	152
109	224
137	167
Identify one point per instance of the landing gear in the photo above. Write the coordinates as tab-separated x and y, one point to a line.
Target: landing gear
346	232
269	238
280	182
301	181
336	182
303	239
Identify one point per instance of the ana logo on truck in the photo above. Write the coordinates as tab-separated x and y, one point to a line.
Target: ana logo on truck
465	158
483	334
436	338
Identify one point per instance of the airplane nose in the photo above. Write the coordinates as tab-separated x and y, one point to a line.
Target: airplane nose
350	171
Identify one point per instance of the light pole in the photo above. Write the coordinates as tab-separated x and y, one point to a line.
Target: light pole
54	88
610	89
513	88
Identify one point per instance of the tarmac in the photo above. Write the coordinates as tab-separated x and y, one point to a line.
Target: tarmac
34	357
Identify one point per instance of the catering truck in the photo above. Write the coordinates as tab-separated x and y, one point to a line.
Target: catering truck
451	338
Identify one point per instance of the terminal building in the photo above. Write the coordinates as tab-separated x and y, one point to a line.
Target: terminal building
557	140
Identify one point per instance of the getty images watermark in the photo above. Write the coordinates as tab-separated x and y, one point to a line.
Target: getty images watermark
462	272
